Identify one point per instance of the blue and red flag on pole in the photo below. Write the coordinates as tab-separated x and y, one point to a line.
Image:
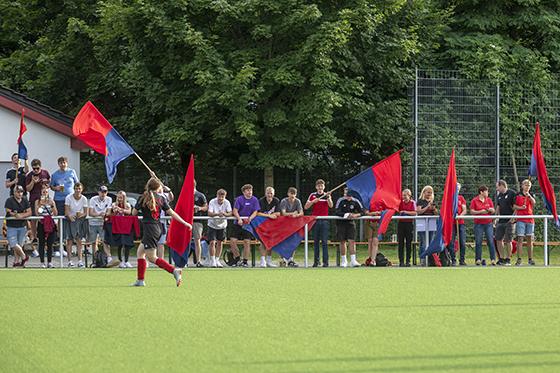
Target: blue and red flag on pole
379	188
538	169
22	149
179	237
448	212
282	234
94	130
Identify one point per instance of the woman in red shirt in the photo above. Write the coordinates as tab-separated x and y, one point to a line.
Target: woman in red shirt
525	227
482	205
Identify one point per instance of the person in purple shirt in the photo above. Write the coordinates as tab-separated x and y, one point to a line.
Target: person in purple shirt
247	206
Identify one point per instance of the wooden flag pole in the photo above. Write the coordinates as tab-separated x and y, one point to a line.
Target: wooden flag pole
145	165
332	190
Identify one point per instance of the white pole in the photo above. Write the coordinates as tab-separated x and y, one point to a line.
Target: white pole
61	241
306	245
427	242
546	241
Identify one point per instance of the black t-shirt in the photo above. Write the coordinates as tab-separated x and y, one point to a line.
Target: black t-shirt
149	216
19	207
505	202
422	203
11	176
199	200
269	208
344	206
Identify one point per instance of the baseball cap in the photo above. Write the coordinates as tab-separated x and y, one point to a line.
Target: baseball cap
103	188
18	188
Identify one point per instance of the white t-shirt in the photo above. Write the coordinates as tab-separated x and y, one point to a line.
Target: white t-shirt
75	205
216	208
100	207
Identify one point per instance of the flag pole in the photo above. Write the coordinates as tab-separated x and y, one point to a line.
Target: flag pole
145	165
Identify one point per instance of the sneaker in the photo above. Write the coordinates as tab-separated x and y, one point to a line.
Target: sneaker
500	262
219	264
128	265
50	265
24	260
122	265
212	263
70	264
80	264
493	262
343	263
34	254
43	265
531	262
64	253
292	264
315	264
325	265
199	265
269	264
262	264
369	262
354	263
139	283
508	262
57	254
407	264
454	263
462	263
177	274
16	264
244	264
478	262
518	262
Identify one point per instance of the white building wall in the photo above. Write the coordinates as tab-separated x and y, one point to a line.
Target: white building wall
41	142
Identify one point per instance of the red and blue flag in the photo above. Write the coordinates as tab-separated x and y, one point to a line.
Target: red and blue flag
22	149
94	130
448	212
378	188
538	169
283	234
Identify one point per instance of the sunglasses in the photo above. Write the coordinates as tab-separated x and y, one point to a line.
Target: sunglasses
36	168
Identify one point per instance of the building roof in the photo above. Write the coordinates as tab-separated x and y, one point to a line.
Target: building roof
40	113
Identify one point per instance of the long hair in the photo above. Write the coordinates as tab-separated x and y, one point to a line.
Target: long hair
424	190
149	199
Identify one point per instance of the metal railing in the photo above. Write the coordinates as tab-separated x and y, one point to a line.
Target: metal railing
426	219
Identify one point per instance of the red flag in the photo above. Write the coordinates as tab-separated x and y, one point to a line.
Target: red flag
449	202
22	149
179	237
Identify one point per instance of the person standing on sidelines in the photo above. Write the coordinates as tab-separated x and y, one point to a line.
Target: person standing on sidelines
150	204
319	203
124	242
349	208
34	182
16	174
269	208
504	227
405	228
426	206
525	227
75	224
17	207
482	205
219	209
46	227
459	225
200	209
291	206
245	205
98	209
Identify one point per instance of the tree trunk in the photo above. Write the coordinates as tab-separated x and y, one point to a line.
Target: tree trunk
268	177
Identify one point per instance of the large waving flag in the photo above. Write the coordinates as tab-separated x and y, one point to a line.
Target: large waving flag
179	237
22	149
538	169
447	213
93	129
379	188
282	234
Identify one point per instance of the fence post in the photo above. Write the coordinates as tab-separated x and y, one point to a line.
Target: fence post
306	245
427	241
497	132
545	241
61	241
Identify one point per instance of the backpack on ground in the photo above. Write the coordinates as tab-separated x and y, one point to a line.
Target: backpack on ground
100	259
382	261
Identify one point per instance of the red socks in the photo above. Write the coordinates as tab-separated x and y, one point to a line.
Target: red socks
141	268
161	263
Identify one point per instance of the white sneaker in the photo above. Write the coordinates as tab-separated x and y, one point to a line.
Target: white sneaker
70	264
80	264
64	253
219	264
343	263
139	283
109	259
34	254
213	263
43	265
122	265
128	265
262	264
57	254
354	263
269	264
178	278
50	265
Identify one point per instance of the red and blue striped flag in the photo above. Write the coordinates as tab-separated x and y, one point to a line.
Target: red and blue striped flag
22	149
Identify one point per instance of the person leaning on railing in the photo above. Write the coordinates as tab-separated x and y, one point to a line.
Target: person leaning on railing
482	205
425	206
17	207
75	225
46	227
349	208
122	241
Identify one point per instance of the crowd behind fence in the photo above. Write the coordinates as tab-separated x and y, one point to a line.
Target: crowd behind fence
544	218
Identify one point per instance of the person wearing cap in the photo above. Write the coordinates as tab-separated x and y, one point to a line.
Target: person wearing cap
98	207
17	207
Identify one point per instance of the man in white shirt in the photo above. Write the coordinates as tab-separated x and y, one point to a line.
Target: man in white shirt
75	224
98	207
219	208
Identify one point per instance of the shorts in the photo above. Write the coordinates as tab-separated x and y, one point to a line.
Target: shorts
216	234
151	233
76	230
197	229
525	229
96	231
346	231
241	234
16	236
504	231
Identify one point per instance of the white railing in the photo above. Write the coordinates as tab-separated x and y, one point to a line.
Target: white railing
426	219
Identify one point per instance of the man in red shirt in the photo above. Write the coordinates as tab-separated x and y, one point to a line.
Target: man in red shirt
319	203
482	205
525	227
460	226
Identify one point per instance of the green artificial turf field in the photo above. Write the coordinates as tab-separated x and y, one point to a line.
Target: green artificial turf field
282	320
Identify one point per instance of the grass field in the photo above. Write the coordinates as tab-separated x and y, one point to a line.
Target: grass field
283	320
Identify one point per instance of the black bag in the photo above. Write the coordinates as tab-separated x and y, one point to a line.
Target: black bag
99	259
382	261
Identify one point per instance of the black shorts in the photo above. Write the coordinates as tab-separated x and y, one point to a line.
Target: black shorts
241	234
504	231
346	231
216	234
151	233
